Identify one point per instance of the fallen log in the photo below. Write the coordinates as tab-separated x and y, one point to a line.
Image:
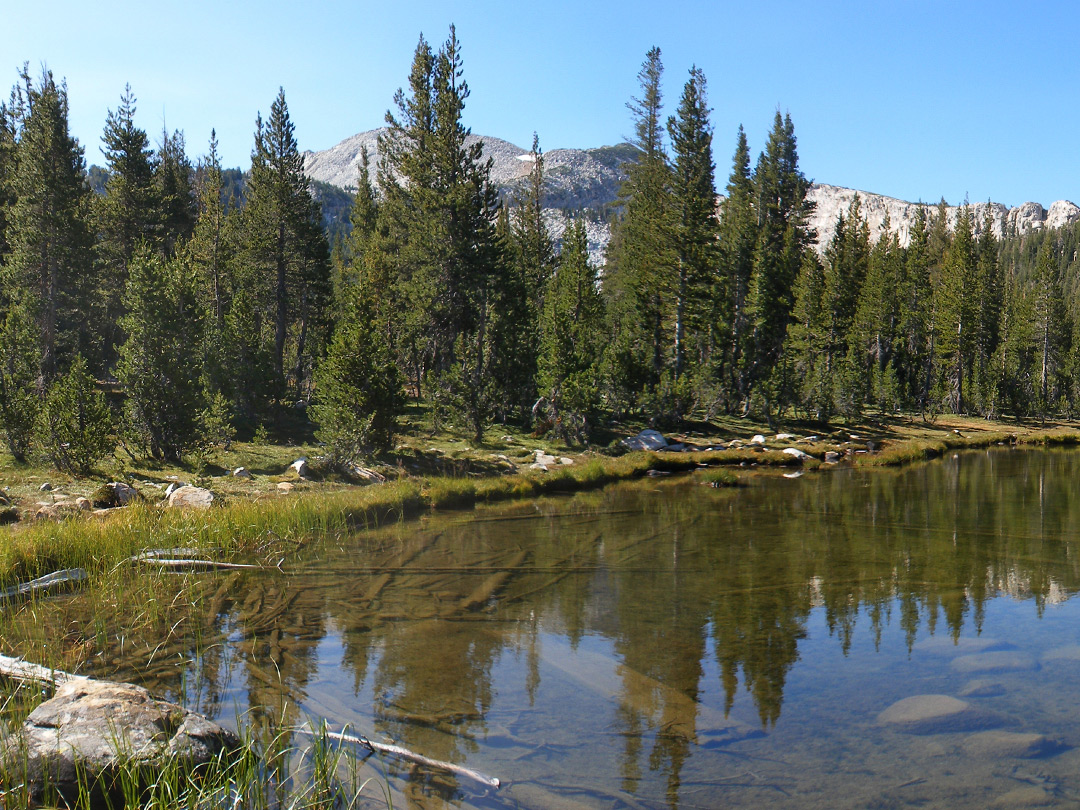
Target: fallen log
51	582
26	672
188	559
404	753
195	565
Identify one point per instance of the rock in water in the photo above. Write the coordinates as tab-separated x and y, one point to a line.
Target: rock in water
1010	745
982	688
942	644
90	727
936	714
1000	661
192	497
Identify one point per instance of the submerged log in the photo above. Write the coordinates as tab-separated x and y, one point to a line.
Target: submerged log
187	559
56	581
406	754
27	672
492	584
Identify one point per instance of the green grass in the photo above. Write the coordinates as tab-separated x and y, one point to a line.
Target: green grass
719	477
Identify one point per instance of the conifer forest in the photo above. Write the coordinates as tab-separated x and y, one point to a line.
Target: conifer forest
164	303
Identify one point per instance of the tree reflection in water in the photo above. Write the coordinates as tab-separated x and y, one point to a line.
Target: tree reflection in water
456	636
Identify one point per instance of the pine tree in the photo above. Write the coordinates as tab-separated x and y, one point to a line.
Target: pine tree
874	337
285	248
782	238
76	425
210	255
530	251
696	227
51	245
20	394
638	277
988	314
176	199
1050	326
440	208
354	263
7	174
846	260
358	388
129	213
915	343
955	307
159	367
738	235
211	248
807	339
571	339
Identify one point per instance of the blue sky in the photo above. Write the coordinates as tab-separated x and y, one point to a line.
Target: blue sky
912	99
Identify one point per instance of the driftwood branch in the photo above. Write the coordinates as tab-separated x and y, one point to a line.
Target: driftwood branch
51	582
406	754
186	559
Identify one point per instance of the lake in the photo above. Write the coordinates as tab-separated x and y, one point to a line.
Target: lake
656	644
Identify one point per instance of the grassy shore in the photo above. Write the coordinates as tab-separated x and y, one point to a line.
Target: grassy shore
256	519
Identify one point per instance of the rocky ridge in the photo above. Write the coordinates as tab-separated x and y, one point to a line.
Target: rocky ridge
575	179
588	180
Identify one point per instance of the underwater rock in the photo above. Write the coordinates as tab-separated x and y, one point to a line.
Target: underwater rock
1068	653
982	688
1011	744
946	645
89	727
936	714
999	661
1027	796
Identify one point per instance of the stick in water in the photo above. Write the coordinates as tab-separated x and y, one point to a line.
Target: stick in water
404	753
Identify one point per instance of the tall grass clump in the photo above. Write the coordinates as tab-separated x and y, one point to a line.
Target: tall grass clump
894	455
1050	438
719	477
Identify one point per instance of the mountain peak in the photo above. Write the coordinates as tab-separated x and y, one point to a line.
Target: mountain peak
588	180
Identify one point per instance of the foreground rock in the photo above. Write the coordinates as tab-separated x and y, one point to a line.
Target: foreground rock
191	498
936	714
90	727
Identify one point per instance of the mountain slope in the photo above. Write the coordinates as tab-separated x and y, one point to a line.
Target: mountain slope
588	180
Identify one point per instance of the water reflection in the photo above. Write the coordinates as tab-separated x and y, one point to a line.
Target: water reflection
617	648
